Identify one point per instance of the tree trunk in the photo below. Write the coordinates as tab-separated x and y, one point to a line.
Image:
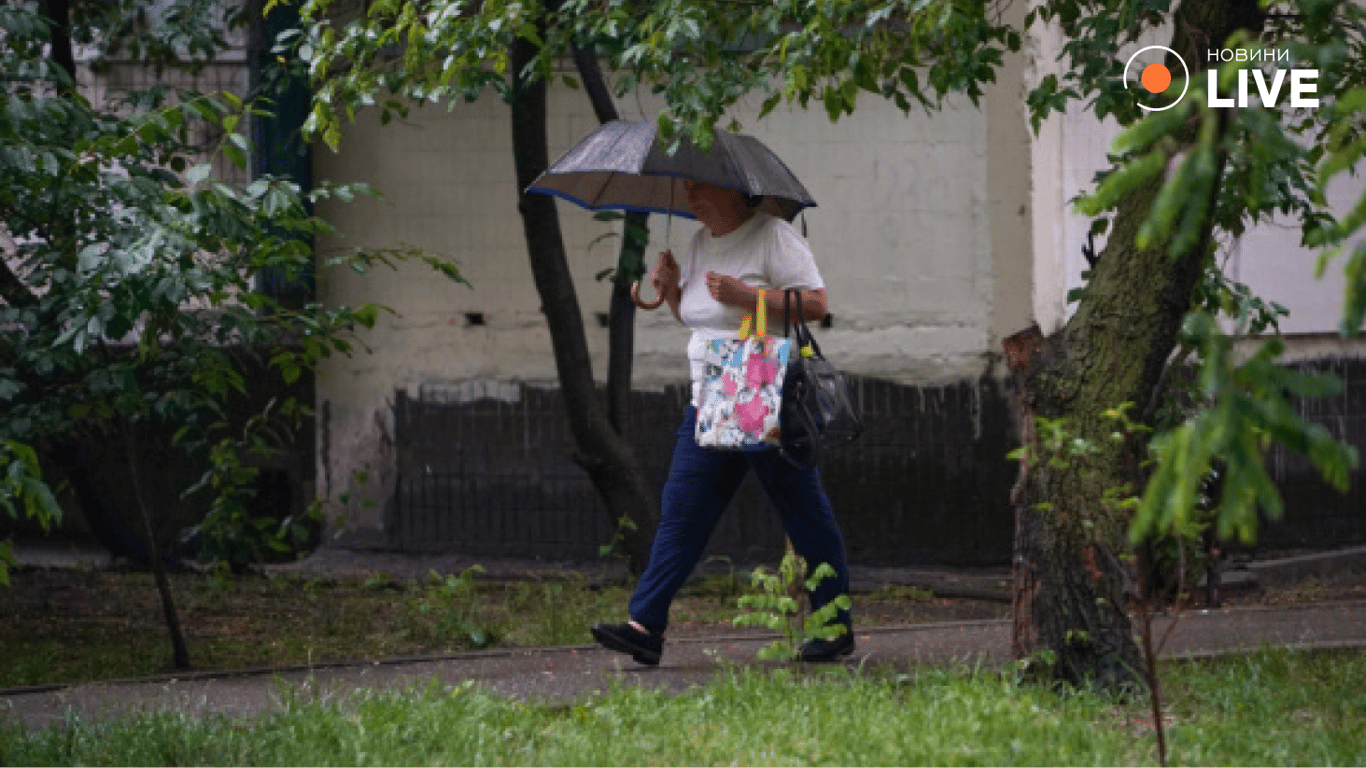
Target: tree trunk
180	650
621	313
59	12
602	452
1069	598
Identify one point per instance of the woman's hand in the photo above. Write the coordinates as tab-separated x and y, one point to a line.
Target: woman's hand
666	273
731	291
664	277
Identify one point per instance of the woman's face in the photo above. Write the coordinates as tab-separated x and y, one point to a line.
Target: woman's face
708	201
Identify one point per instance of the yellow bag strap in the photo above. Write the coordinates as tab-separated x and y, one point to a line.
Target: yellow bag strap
761	312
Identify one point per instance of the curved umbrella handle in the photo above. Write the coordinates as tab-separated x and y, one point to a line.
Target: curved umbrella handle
635	297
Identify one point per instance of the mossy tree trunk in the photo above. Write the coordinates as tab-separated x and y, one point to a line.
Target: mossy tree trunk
1070	538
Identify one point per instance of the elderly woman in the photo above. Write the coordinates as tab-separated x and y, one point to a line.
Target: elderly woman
738	252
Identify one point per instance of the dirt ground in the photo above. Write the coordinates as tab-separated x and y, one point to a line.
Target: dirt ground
67	603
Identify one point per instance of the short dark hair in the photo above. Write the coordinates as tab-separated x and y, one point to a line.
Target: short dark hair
752	201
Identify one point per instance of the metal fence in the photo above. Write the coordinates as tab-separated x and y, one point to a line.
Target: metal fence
486	468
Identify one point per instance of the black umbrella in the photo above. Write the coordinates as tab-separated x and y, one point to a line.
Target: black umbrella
621	166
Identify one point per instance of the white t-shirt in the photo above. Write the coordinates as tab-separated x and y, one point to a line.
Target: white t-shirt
764	252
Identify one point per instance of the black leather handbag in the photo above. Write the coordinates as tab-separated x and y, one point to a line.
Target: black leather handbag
817	411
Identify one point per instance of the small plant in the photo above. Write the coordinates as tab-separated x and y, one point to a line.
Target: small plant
778	607
624	524
218	576
441	603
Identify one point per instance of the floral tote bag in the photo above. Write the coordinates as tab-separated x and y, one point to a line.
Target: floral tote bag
742	387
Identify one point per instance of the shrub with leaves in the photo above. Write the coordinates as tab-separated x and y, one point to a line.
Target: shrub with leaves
778	606
127	283
443	605
128	271
22	494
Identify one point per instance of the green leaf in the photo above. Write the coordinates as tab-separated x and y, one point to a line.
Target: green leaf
770	103
833	100
1121	183
234	155
1143	133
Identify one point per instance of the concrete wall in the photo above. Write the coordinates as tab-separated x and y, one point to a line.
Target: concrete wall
920	233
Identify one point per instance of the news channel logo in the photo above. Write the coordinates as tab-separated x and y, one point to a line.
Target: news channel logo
1147	77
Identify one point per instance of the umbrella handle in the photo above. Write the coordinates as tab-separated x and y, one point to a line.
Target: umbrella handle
635	297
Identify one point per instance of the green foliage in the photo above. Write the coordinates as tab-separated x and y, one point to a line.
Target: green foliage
1275	161
22	481
1248	406
1057	446
703	57
129	296
624	525
229	534
777	606
22	490
1236	168
442	606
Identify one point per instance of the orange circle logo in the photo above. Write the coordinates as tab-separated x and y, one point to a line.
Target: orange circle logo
1156	78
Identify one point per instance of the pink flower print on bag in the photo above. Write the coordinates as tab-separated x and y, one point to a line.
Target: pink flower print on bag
741	392
731	387
752	415
759	371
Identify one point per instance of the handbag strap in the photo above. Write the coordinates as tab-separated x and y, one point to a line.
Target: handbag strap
760	314
806	342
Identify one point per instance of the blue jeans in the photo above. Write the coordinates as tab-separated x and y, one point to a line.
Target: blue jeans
700	486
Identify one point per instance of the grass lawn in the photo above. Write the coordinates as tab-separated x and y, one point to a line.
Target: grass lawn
1268	708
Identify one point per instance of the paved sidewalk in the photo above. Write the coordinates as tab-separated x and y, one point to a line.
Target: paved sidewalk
569	673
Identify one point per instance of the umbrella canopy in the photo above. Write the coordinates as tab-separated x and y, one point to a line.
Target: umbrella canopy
621	166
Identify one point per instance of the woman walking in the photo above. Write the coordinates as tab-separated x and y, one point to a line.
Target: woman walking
738	252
